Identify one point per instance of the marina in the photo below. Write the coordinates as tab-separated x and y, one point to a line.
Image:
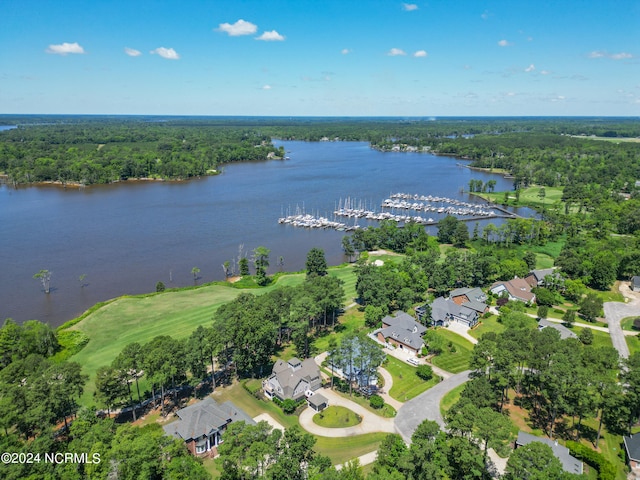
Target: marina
351	208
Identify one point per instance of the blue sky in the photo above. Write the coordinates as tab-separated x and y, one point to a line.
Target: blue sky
323	57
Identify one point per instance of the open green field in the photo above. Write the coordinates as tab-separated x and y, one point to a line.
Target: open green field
454	362
175	313
406	383
528	196
336	416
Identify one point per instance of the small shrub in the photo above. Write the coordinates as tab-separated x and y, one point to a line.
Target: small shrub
289	406
160	287
586	336
425	372
376	401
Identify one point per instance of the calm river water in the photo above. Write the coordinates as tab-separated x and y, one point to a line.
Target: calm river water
127	237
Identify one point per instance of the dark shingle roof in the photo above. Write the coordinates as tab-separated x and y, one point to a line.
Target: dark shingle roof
404	329
632	444
204	418
564	331
569	463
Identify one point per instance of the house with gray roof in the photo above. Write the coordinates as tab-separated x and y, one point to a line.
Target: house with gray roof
402	331
635	283
564	331
201	425
632	446
536	278
569	463
445	310
291	379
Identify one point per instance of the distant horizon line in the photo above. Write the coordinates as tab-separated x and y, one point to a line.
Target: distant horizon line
423	117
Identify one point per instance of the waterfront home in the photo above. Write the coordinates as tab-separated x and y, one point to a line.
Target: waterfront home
401	331
291	379
201	425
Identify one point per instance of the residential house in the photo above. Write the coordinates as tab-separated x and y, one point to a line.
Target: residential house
635	283
445	310
473	298
292	379
201	425
536	278
632	446
516	289
569	463
564	331
402	331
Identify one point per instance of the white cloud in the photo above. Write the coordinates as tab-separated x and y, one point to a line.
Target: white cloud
505	43
241	27
486	14
65	48
409	7
394	52
345	51
612	56
420	53
544	72
271	36
132	52
168	53
266	87
621	56
530	68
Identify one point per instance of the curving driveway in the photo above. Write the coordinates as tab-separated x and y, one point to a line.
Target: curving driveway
370	423
426	406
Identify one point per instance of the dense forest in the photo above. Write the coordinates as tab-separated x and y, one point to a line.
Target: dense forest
88	149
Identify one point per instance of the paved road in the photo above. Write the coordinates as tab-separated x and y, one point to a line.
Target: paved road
426	406
614	312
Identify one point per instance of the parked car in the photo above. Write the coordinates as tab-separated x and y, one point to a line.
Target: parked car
413	361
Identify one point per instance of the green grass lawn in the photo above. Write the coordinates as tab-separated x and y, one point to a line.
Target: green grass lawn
387	411
490	324
627	324
346	274
406	383
612	295
450	399
176	313
342	449
634	344
454	362
336	417
529	196
339	449
600	339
